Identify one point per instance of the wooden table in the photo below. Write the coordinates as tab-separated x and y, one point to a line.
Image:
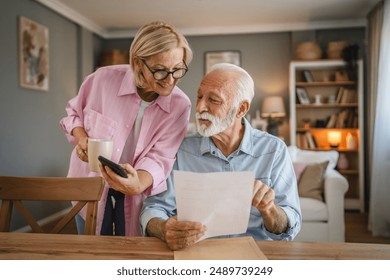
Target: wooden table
18	246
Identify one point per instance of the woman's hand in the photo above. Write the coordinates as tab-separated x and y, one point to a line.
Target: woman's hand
82	149
136	183
82	143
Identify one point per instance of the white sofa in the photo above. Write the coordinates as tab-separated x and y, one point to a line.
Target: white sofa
323	220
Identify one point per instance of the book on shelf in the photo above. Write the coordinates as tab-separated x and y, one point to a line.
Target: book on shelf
347	118
332	121
312	143
301	141
306	141
341	119
355	119
308	76
346	96
352	98
339	95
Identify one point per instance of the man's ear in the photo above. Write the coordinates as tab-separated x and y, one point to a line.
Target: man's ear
243	109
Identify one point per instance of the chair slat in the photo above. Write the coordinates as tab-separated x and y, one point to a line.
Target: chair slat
50	188
87	191
68	217
28	217
5	215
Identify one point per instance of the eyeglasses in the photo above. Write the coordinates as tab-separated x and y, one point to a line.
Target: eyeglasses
163	74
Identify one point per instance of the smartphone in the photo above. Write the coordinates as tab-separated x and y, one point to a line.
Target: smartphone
114	167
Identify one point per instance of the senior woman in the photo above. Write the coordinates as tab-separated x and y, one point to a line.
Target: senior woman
146	115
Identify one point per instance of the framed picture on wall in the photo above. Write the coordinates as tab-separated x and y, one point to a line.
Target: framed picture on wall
302	95
213	57
33	55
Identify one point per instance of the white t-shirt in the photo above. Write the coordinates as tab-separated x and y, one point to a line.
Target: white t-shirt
131	142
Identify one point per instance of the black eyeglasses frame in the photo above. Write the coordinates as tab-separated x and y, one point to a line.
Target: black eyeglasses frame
166	72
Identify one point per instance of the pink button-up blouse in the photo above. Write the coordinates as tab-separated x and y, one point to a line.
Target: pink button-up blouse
106	107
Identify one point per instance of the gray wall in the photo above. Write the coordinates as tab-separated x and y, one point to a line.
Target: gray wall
31	141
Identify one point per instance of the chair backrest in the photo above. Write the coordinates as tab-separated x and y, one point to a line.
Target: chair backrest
85	191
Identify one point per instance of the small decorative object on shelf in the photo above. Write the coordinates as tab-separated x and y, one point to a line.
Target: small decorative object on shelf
342	163
303	98
350	141
306	123
332	99
317	99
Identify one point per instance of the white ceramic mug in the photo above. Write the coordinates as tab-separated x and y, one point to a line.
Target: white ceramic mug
96	148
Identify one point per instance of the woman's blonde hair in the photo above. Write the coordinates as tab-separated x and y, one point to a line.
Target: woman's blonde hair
154	38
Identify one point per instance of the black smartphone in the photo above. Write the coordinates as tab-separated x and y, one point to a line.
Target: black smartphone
114	167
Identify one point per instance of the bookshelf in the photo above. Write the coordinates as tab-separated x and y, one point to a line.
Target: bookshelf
322	100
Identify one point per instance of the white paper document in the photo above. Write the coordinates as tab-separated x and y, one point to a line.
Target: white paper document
221	200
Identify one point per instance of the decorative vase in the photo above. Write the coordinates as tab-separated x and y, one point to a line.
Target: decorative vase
342	162
350	141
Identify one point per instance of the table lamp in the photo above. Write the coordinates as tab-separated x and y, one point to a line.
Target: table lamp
334	138
273	109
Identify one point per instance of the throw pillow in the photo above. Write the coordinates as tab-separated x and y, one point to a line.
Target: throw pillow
299	167
311	182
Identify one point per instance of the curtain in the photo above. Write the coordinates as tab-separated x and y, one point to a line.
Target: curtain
379	214
374	27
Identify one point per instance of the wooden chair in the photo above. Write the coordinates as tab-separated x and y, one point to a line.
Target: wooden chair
86	191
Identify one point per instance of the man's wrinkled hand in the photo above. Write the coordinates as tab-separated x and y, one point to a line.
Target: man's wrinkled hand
263	196
181	234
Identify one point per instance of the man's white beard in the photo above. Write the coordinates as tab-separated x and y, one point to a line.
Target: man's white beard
217	124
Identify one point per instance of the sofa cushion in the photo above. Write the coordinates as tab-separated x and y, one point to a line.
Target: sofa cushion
311	182
298	155
298	169
313	210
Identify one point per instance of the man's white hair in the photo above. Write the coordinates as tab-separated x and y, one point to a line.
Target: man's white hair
245	87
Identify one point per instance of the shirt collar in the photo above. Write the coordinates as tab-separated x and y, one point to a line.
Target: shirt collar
246	146
128	87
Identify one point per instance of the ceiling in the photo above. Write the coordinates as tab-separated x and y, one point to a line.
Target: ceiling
121	18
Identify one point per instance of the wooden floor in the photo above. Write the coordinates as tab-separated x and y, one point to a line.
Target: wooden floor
356	229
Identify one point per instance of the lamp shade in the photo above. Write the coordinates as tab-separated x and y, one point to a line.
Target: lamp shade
273	106
334	138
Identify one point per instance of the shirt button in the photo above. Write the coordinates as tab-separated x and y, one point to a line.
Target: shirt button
127	126
118	150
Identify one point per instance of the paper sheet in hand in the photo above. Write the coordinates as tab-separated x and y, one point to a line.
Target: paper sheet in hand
221	201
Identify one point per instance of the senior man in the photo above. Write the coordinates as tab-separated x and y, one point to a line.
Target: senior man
227	142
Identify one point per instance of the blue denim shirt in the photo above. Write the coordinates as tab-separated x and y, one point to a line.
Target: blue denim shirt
260	152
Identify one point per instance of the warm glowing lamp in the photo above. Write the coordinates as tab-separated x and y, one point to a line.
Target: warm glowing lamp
334	138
